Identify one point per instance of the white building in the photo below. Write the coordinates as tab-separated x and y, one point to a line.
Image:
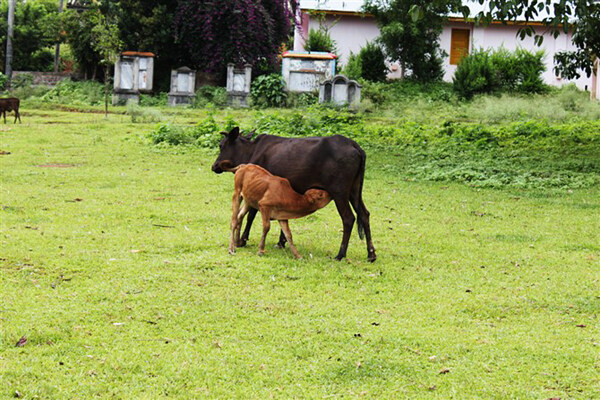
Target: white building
351	29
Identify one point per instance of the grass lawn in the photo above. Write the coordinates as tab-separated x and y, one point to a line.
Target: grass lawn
114	267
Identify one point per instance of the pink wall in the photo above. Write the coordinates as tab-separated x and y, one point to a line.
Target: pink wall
352	32
496	36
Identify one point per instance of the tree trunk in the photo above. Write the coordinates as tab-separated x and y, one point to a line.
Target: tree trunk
106	87
9	38
57	49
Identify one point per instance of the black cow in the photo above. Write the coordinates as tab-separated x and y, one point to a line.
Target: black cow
334	163
10	104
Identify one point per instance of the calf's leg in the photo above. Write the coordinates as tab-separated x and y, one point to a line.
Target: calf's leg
266	221
285	229
234	221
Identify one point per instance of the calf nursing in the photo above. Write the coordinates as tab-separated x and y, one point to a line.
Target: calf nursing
10	104
274	197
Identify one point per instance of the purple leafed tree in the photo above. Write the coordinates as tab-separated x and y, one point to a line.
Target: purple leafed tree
216	32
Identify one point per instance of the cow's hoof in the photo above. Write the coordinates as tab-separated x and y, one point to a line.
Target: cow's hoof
261	253
280	245
232	252
339	258
372	257
241	243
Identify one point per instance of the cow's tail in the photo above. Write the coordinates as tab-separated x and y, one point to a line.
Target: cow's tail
227	165
356	195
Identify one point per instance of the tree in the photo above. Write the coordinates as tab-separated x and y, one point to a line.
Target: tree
148	26
409	33
79	26
105	40
238	31
35	30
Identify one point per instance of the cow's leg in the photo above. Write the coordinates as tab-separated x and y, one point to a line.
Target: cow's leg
363	219
251	214
17	115
4	115
234	221
266	222
282	240
343	207
285	229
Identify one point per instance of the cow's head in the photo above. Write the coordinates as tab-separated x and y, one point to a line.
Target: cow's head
234	148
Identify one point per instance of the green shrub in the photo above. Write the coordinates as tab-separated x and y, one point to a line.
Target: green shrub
159	99
3	81
320	40
305	99
21	80
372	62
475	74
268	91
531	67
170	134
205	95
485	71
141	114
205	133
75	93
353	68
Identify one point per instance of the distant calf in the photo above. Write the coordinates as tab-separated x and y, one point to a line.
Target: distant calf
10	104
274	197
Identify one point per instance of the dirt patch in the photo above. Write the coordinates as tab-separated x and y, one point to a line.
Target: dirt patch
57	166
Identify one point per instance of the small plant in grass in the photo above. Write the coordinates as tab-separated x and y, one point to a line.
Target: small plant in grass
159	99
205	95
3	81
268	91
141	114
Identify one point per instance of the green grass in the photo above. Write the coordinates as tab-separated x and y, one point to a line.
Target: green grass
116	270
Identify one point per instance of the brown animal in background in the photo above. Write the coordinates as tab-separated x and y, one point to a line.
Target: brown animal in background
10	104
274	197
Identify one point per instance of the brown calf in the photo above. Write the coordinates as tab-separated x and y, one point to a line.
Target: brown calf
274	197
10	104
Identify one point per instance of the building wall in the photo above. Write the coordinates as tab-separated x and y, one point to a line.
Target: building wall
351	32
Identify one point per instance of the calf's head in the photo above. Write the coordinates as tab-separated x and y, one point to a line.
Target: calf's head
234	148
317	197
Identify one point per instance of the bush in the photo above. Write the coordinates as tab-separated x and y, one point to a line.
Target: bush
372	62
475	74
531	67
485	71
140	114
214	95
320	40
3	81
205	133
159	99
268	91
306	99
353	68
76	93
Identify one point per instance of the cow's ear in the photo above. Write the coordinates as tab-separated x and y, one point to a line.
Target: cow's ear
234	133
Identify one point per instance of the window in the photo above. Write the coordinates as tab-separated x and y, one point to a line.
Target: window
459	46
